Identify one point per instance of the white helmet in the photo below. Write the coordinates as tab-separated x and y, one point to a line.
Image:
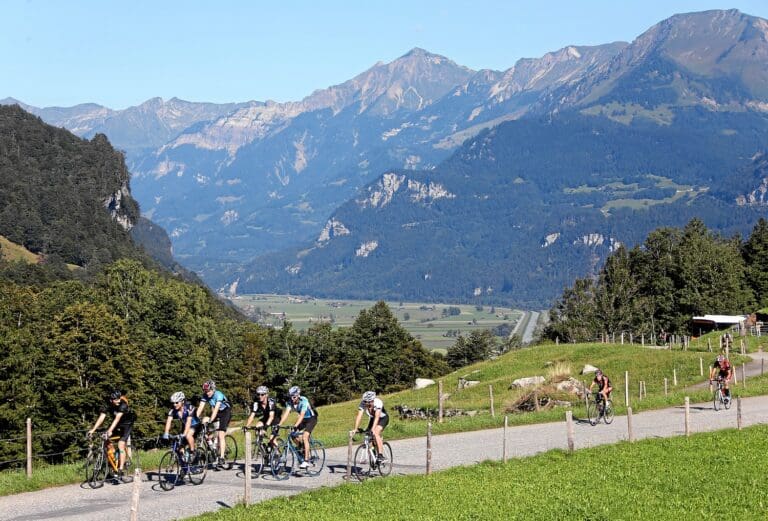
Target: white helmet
262	389
369	396
178	397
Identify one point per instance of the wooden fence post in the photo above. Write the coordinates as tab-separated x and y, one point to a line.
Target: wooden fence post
626	388
738	413
701	366
687	416
642	339
440	401
630	433
709	344
743	349
674	377
622	338
493	411
504	445
666	385
135	495
349	454
744	375
569	426
29	447
429	448
248	463
762	366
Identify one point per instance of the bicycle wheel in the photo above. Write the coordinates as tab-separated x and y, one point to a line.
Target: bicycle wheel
362	464
281	461
259	459
169	472
230	452
727	402
717	399
198	466
96	470
385	466
592	412
608	412
317	457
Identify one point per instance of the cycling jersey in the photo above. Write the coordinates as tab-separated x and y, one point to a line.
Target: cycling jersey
187	410
128	417
378	405
262	411
602	384
302	407
216	397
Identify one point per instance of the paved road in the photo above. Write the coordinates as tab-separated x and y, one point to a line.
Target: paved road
224	489
530	327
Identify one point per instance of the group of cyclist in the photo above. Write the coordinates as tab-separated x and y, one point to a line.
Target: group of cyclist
266	411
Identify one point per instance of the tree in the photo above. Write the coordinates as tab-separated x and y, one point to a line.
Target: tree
475	348
574	316
755	253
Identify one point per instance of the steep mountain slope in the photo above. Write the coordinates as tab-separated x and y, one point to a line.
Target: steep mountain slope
523	209
269	176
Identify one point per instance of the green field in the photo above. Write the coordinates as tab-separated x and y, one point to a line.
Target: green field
707	476
426	322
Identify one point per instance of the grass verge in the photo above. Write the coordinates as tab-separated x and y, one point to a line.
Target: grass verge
707	476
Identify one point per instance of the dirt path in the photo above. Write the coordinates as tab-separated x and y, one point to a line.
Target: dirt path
224	489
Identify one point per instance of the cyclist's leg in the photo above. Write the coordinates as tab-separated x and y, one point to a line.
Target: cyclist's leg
377	434
125	434
224	417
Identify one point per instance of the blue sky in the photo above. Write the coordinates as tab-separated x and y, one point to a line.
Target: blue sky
120	53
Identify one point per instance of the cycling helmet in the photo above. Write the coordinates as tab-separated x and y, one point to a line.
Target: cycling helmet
178	397
598	373
294	391
115	394
369	396
209	385
720	358
262	389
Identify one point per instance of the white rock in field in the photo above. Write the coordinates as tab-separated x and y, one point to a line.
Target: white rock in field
588	369
421	383
528	382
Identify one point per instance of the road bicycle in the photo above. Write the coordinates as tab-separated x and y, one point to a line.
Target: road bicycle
719	397
598	408
103	459
208	439
283	457
366	464
261	450
179	462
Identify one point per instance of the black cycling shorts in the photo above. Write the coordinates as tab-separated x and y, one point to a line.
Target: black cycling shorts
223	418
308	424
382	421
124	431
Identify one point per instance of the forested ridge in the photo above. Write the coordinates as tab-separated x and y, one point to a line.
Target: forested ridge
69	336
674	275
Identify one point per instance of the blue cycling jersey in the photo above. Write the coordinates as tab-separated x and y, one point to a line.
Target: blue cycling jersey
302	407
185	412
216	397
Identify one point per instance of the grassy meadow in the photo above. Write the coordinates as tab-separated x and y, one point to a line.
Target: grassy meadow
426	322
673	478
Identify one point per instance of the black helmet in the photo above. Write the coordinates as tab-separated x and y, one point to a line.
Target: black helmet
115	394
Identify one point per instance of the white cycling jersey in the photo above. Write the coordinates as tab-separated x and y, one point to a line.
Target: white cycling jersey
378	405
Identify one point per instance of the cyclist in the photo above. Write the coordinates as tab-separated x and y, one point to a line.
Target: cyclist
604	387
377	422
305	423
724	371
268	412
220	409
122	424
185	412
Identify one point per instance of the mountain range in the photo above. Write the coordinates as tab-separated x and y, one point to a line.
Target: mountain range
421	178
